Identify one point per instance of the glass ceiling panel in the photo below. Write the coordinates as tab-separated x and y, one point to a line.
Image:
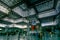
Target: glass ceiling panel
16	21
18	26
24	13
9	20
11	2
45	6
4	8
2	25
1	14
13	15
49	19
49	23
47	13
5	22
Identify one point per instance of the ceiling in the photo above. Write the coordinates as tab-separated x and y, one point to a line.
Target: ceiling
21	12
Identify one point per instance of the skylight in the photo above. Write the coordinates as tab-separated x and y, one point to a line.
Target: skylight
11	2
18	26
25	13
47	13
2	25
49	23
16	21
21	26
4	9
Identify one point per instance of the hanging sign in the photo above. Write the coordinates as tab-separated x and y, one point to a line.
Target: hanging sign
33	22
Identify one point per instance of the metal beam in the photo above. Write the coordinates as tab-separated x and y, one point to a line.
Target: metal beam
39	2
4	4
55	4
5	22
18	4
